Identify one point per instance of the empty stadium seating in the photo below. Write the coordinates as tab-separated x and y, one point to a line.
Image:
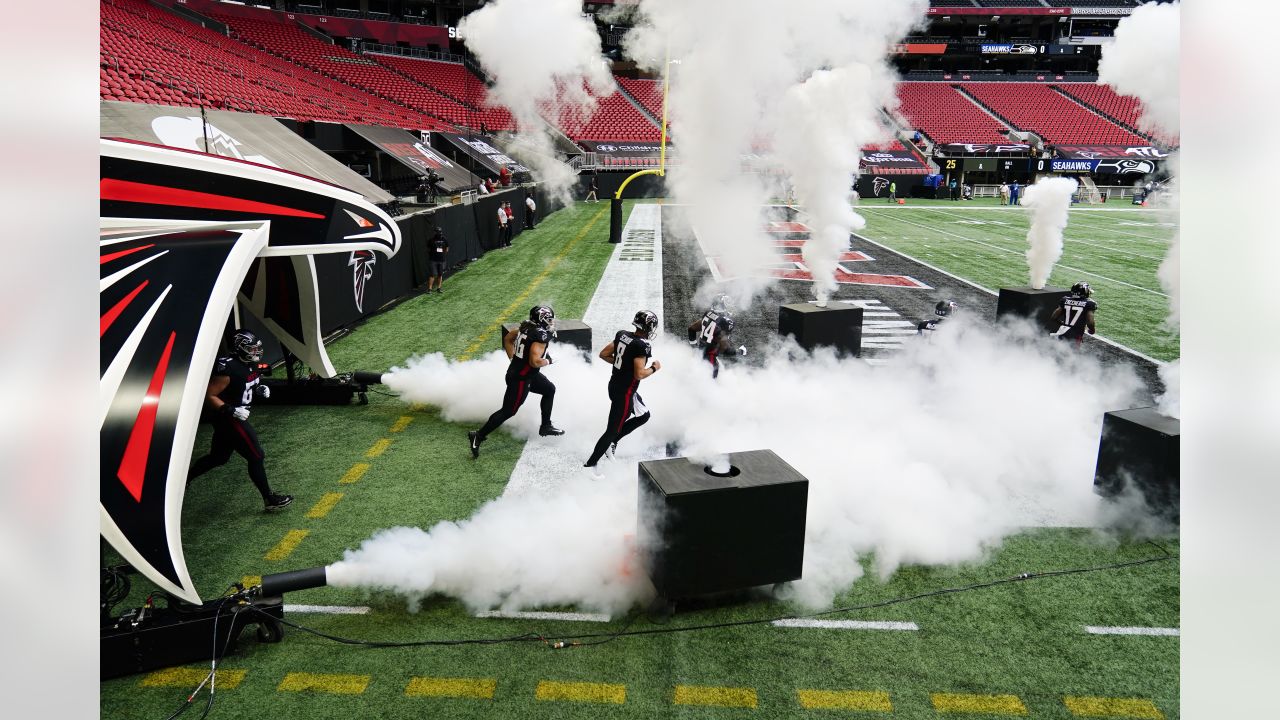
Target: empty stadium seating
455	81
1040	109
614	118
1101	97
148	55
646	92
945	115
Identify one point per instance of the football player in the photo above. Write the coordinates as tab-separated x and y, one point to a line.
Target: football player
941	311
1074	314
711	332
232	388
629	355
527	348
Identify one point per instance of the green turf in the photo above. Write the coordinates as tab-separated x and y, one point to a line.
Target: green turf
1023	638
1117	253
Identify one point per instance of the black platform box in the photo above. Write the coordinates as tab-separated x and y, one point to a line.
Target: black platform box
837	325
700	534
1038	305
1141	444
568	332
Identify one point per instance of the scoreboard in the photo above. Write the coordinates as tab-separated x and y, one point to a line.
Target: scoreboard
1004	165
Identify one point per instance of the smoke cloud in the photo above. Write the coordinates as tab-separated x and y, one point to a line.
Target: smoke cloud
544	57
806	97
965	438
1143	61
1049	201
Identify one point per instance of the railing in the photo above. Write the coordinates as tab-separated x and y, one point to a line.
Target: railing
440	55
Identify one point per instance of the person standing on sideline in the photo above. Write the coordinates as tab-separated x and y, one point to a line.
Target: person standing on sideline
530	217
437	255
893	191
511	222
526	346
629	355
504	240
1004	193
232	388
1013	193
955	189
591	190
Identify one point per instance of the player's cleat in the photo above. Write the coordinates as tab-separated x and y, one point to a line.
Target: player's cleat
473	440
549	429
594	472
278	502
611	452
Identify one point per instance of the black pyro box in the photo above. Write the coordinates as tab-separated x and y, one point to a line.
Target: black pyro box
1140	444
839	325
1036	305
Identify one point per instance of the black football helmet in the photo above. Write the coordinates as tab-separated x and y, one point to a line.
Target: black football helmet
721	304
246	346
945	308
542	316
645	320
1081	289
726	323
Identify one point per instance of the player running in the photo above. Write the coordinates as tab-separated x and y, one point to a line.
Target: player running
1074	314
629	355
711	332
942	310
527	348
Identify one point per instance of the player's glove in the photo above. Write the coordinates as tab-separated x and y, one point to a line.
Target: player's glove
238	412
547	357
262	391
742	350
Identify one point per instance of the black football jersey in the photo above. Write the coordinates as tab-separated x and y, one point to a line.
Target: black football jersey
626	348
930	324
526	337
243	380
715	327
1074	310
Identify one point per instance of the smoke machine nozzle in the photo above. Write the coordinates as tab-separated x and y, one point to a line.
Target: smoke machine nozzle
280	583
364	377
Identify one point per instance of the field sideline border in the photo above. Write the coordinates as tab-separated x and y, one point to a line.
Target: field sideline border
989	291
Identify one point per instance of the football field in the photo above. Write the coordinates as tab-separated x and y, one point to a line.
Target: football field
1117	250
1053	623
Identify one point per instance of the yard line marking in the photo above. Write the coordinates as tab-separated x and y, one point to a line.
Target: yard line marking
402	423
190	677
1112	707
251	580
581	692
356	472
324	682
287	545
378	448
1107	630
493	327
987	704
719	696
846	624
1020	253
543	615
865	700
474	688
324	505
1067	239
328	609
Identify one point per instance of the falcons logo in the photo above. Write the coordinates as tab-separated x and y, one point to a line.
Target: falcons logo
361	264
878	185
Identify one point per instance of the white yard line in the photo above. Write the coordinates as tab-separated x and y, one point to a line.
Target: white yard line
542	615
847	624
1104	630
328	609
1021	234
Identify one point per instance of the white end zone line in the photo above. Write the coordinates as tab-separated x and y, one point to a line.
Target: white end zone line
328	609
1104	630
544	615
846	624
989	291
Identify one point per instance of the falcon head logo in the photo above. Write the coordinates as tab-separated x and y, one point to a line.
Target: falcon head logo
878	184
361	264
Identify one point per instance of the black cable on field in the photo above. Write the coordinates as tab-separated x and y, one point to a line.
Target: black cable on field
588	639
212	677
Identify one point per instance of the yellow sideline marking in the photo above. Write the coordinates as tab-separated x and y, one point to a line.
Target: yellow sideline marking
378	448
324	682
356	472
721	696
324	505
582	692
1112	707
496	325
402	423
251	580
869	700
451	687
190	677
287	545
989	704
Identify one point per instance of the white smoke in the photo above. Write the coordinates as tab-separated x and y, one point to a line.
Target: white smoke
970	436
1049	201
806	96
543	56
1169	402
1143	61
